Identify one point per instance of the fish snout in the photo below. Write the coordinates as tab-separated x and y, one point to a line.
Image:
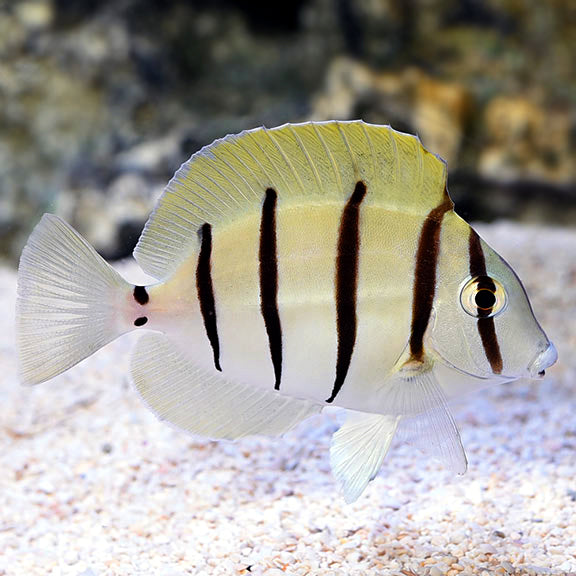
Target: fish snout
544	360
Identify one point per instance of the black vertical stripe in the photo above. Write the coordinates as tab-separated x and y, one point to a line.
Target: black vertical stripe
347	285
269	282
206	292
424	288
486	327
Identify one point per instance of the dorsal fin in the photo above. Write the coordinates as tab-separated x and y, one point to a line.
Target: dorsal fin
314	160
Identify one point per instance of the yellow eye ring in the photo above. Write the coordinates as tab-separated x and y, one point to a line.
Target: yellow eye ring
483	297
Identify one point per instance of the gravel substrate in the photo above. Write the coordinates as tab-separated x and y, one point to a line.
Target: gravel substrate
92	485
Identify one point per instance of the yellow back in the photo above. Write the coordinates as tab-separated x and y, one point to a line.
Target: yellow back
310	162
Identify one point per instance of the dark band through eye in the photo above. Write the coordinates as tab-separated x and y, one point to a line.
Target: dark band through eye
485	299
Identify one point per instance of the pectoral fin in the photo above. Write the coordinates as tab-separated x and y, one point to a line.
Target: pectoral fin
426	423
358	450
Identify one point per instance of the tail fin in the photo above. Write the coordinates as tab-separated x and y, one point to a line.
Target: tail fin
70	301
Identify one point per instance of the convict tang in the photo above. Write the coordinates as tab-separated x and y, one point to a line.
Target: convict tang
298	267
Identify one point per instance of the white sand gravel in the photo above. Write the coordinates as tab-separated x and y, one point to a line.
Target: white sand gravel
92	485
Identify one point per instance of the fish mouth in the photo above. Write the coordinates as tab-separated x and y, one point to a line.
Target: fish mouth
543	360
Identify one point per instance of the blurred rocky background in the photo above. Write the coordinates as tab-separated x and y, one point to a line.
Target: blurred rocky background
100	102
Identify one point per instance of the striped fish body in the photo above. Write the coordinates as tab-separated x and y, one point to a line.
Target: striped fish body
299	267
307	302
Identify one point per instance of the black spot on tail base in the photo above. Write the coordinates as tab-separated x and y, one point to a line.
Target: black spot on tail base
269	282
140	321
206	292
141	295
347	285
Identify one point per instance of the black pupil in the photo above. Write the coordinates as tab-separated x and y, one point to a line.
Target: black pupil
485	299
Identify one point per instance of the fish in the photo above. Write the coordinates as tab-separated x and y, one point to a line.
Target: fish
296	268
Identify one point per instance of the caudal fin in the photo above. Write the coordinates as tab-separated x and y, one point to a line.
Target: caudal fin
70	301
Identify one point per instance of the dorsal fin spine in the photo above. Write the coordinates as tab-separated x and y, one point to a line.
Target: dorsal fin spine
226	177
347	144
251	133
371	146
241	176
331	157
240	142
308	158
420	157
188	201
207	190
286	159
225	192
395	163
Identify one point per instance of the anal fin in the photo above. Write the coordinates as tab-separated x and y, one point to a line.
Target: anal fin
358	450
205	403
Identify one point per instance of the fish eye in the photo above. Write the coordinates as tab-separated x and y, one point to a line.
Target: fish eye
483	297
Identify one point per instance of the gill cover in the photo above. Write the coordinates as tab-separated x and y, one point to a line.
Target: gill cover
484	325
